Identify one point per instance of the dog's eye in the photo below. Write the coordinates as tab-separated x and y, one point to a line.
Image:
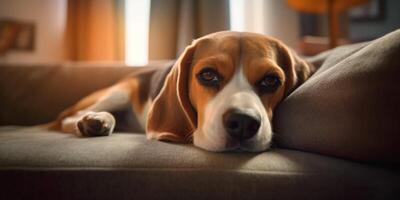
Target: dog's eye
209	77
269	84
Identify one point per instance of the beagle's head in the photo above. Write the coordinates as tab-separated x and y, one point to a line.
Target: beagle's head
222	91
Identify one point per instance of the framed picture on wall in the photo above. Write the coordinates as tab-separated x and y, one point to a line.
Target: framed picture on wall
374	10
25	37
16	36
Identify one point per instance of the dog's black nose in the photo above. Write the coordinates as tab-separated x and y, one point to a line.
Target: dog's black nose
239	125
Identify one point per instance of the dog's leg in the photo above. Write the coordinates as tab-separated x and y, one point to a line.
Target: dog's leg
88	123
91	116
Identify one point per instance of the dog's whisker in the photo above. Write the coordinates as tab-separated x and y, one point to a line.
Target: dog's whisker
189	138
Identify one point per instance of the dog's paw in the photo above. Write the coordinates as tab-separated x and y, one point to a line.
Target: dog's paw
96	124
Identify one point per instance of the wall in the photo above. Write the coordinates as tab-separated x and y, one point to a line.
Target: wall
374	29
281	22
49	17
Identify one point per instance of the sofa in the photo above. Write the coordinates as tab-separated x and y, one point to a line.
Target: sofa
333	138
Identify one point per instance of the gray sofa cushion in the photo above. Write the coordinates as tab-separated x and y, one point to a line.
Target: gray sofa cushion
350	107
38	164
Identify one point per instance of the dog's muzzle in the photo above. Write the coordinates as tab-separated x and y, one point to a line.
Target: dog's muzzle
240	125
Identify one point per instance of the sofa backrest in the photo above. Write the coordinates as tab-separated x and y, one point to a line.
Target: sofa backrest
32	95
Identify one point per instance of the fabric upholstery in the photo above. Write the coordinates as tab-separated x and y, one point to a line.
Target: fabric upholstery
37	164
350	107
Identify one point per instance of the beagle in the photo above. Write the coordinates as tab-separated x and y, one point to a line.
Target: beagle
219	95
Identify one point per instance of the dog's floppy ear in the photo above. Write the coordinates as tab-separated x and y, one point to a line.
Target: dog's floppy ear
172	117
296	69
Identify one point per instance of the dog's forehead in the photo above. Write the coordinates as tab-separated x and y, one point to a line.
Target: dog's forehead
256	45
220	44
236	45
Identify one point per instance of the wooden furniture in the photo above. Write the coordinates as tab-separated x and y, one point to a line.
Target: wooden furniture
332	8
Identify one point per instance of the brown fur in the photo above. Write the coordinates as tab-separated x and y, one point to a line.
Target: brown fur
179	102
174	116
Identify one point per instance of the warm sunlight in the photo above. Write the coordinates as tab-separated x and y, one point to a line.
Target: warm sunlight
247	16
137	15
236	10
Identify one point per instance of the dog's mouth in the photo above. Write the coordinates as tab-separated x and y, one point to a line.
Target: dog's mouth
225	142
236	146
242	146
242	149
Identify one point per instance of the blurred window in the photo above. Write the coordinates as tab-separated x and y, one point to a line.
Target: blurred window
137	15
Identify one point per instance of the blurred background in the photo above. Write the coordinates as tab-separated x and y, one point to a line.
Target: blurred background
136	32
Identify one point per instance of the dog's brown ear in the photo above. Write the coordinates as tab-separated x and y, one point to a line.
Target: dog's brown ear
297	70
172	117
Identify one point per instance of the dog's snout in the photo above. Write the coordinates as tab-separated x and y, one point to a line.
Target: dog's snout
239	125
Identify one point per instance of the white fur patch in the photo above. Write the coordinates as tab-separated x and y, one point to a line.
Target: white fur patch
237	94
